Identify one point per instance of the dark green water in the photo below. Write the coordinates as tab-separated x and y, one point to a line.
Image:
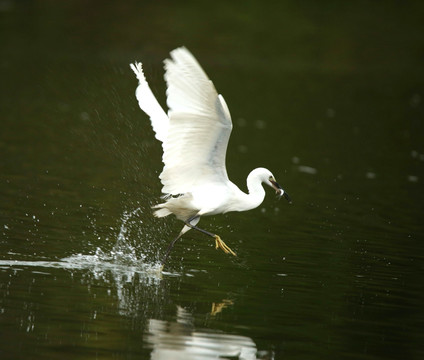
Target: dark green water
329	96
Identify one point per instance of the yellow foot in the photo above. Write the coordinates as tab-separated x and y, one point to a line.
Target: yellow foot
223	246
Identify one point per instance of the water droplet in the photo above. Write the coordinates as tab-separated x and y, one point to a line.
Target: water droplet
415	100
412	178
260	124
242	149
330	113
307	169
370	175
241	122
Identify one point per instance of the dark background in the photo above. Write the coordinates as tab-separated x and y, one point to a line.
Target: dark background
327	95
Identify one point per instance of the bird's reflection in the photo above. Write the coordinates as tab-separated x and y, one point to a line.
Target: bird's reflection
218	307
180	340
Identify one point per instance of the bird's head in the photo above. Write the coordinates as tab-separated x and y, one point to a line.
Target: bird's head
278	189
264	176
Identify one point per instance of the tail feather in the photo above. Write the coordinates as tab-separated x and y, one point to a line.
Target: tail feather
161	212
180	206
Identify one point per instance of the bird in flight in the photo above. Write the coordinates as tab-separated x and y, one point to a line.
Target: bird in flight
194	135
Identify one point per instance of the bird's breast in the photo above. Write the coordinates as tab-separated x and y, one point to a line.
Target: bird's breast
212	200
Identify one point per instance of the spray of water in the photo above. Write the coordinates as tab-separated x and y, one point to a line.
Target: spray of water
131	250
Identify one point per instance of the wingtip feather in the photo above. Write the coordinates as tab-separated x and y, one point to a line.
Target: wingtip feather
137	67
149	104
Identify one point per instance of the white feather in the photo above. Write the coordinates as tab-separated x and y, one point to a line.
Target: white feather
149	104
200	127
194	137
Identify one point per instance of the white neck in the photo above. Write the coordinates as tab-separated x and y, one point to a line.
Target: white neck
256	194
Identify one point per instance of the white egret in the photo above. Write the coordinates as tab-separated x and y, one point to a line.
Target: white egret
194	136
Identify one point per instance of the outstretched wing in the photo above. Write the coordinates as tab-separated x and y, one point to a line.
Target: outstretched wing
199	127
149	104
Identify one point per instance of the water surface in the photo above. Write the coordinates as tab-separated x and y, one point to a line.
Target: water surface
329	97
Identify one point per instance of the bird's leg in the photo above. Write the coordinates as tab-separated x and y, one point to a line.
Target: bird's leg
168	250
218	241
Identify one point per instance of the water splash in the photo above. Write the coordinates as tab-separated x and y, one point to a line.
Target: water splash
123	251
125	260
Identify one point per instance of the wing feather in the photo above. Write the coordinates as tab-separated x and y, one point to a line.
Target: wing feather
148	103
199	127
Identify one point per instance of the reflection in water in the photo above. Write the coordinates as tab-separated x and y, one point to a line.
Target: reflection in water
141	296
337	276
132	282
218	307
180	340
123	268
136	287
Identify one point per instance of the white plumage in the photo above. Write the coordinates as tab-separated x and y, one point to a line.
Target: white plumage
194	136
